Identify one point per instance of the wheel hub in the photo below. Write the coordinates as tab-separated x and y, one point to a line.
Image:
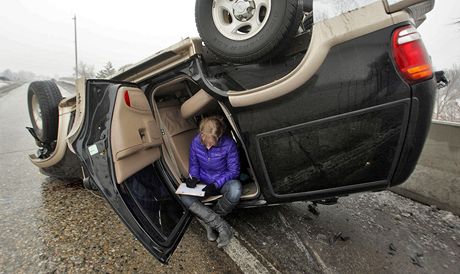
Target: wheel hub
240	20
243	10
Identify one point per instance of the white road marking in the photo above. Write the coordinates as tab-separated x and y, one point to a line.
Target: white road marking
245	260
309	252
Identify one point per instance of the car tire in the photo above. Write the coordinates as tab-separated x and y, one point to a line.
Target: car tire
43	99
220	29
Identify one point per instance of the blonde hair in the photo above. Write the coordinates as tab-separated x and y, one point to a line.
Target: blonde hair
211	128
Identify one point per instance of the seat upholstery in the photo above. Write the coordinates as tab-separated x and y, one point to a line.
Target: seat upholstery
180	132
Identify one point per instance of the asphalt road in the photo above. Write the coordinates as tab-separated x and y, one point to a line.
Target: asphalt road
49	225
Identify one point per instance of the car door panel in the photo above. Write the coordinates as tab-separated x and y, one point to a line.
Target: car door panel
135	138
141	196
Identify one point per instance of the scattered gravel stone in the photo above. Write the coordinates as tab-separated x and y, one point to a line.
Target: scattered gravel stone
448	217
77	260
52	267
313	209
392	249
405	214
338	236
416	261
321	237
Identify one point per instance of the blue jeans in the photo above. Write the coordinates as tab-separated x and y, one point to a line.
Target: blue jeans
231	192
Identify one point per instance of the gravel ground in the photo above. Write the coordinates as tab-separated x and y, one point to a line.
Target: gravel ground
69	229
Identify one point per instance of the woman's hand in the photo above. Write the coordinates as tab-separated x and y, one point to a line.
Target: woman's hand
210	190
192	182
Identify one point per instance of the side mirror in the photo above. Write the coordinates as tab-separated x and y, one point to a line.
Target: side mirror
441	79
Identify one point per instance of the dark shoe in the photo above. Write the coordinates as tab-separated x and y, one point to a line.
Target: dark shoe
214	221
223	206
224	236
210	233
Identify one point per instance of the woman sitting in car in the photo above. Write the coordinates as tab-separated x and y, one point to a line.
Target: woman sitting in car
214	161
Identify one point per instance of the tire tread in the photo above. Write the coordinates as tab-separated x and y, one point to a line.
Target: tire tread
49	97
293	13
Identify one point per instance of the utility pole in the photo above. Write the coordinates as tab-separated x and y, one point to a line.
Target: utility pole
76	54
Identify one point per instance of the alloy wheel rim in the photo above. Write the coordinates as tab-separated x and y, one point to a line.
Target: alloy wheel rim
240	19
37	112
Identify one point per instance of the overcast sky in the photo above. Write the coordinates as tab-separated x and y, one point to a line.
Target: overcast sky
38	35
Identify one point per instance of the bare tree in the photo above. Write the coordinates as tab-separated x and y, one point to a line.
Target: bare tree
106	71
21	76
8	74
447	104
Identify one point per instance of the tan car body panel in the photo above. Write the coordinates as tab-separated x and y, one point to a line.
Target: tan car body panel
79	112
400	5
66	107
325	35
181	52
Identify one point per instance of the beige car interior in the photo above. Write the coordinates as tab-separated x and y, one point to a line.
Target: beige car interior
135	137
175	108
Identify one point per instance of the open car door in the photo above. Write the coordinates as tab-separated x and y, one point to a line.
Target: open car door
120	147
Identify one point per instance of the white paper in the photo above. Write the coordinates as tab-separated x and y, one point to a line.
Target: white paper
197	191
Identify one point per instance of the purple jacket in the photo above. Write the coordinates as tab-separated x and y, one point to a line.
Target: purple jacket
218	164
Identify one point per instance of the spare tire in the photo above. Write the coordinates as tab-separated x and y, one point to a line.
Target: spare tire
43	99
244	31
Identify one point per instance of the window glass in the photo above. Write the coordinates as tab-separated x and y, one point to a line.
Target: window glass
346	151
153	203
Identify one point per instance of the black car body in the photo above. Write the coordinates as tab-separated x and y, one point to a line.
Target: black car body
334	117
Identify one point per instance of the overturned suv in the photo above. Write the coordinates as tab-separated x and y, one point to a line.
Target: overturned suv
321	102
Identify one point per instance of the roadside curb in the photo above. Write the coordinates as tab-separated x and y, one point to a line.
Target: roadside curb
425	200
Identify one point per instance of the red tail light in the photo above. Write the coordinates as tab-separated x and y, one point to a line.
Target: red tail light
127	99
410	55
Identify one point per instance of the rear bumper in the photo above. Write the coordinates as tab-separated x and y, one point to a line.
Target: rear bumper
423	96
